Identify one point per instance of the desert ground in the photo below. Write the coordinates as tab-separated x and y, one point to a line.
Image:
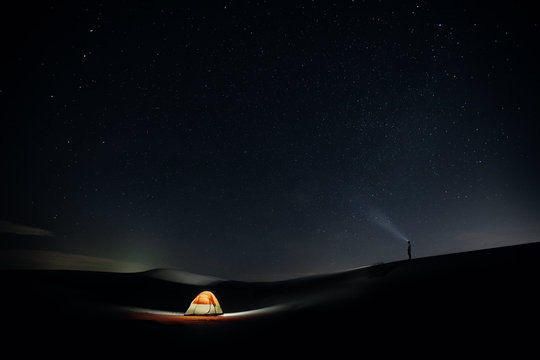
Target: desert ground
485	301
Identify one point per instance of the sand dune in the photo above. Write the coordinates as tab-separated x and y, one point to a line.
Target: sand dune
456	301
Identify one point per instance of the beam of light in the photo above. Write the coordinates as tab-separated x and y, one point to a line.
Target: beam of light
261	311
150	311
384	222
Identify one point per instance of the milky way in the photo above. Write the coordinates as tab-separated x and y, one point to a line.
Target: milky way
252	138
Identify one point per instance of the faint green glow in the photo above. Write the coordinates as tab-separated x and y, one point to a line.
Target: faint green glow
56	260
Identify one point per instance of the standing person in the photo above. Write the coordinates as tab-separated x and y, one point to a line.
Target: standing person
409	248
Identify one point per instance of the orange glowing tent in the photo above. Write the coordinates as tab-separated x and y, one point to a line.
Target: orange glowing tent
205	303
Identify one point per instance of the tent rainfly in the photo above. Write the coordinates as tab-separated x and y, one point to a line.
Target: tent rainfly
205	303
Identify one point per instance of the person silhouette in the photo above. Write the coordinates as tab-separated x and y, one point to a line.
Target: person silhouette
409	248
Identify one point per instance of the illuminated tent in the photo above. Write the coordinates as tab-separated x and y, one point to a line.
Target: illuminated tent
205	303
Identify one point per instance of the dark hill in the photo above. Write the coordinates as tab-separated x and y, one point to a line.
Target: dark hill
486	299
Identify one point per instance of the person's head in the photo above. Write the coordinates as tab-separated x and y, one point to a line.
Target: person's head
408	241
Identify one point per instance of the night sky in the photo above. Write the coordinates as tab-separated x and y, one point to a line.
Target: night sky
265	139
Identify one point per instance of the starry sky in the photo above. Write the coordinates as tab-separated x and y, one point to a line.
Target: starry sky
259	139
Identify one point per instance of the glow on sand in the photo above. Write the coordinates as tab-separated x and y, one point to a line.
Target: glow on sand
178	317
